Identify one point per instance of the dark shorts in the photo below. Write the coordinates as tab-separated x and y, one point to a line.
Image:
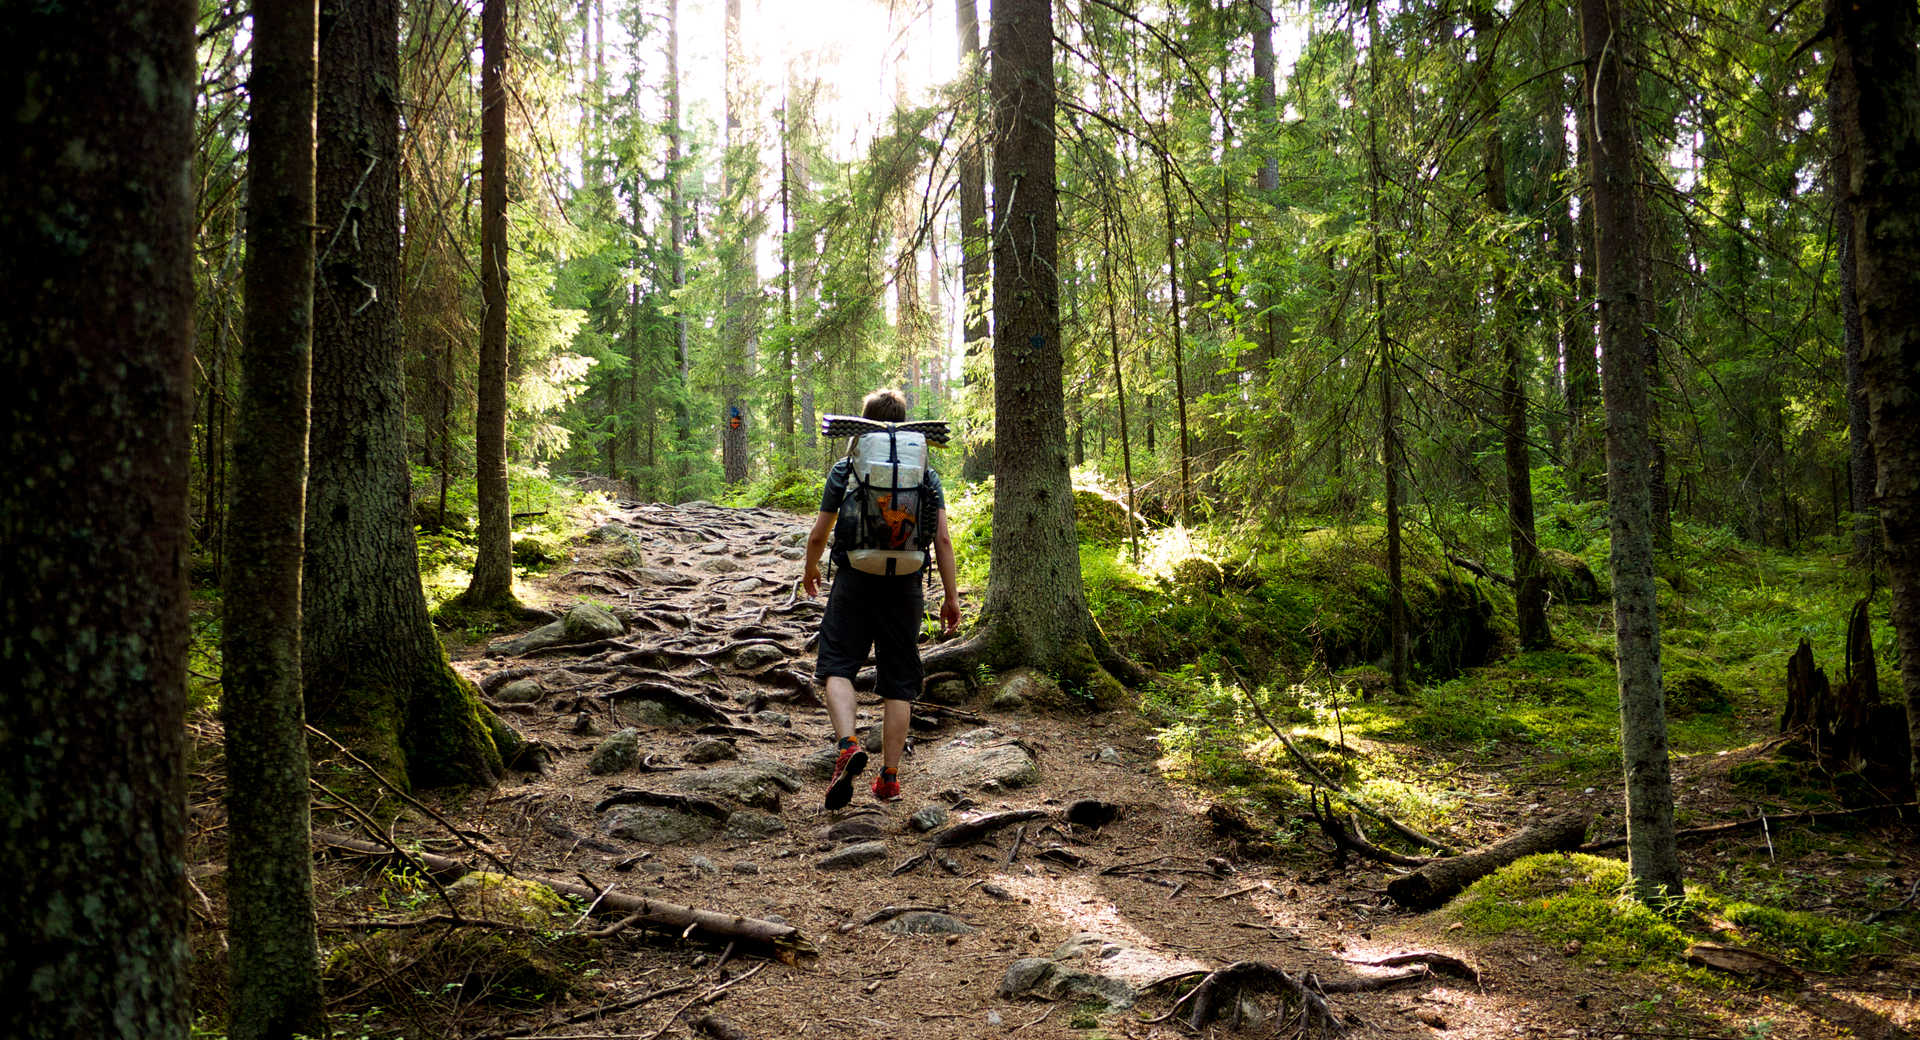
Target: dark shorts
873	612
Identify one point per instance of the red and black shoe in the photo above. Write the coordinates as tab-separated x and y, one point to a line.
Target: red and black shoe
886	786
853	759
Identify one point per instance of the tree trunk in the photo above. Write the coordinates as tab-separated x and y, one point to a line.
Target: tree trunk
1860	462
677	231
492	585
1107	261
1434	884
274	970
1265	106
1875	71
1653	857
96	312
974	249
1392	454
1529	583
377	678
1179	351
1036	610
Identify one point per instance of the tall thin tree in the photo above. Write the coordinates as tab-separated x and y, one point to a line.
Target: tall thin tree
1652	854
273	961
492	584
975	252
1392	453
96	313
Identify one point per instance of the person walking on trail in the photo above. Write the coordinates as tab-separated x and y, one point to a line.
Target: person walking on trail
875	599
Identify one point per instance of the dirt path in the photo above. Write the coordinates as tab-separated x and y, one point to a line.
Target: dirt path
713	678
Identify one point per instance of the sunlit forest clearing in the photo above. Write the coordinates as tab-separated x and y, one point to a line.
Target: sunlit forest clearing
1435	491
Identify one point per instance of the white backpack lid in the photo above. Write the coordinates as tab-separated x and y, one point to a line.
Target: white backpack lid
872	465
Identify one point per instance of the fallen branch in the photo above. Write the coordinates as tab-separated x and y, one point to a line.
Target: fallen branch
970	831
1347	840
1439	963
411	800
1442	879
785	941
1756	823
1323	780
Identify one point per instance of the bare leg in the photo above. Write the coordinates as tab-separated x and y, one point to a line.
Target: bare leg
893	731
840	706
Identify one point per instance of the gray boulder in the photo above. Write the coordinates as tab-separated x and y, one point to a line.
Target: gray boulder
658	825
615	754
711	749
754	824
759	655
588	622
980	759
928	922
520	691
758	783
854	856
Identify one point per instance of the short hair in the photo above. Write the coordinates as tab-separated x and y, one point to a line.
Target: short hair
885	405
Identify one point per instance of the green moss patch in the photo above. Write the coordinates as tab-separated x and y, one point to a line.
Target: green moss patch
1571	903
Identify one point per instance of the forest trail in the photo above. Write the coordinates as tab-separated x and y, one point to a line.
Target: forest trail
717	804
714	675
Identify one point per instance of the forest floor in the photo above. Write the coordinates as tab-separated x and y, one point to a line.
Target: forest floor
707	595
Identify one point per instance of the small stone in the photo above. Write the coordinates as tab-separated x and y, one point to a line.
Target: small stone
711	749
993	1018
819	764
871	740
793	553
583	725
759	655
854	856
520	691
1007	700
745	867
702	865
865	825
658	825
616	753
721	565
927	922
1430	1017
773	718
998	893
754	824
930	817
1109	757
1026	974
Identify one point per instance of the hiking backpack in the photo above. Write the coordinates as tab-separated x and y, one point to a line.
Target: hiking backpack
886	523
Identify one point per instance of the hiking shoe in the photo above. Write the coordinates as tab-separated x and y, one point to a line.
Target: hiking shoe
840	788
886	786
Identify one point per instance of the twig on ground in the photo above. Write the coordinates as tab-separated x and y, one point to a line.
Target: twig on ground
415	802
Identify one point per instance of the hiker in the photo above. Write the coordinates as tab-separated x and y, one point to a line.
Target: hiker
878	606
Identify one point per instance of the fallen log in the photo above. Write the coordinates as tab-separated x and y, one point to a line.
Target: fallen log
1433	885
785	942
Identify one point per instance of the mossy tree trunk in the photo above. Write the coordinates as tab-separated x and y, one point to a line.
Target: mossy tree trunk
1876	86
96	311
273	961
1036	610
376	676
1530	583
1652	855
492	584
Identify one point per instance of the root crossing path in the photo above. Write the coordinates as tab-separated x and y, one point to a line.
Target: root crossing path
1039	876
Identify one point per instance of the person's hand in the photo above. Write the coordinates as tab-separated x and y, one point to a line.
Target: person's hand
950	614
811	580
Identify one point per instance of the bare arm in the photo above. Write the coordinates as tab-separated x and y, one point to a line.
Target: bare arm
817	544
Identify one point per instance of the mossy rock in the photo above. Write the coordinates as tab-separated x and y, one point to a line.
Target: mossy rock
525	964
1569	579
1337	582
1773	776
1691	693
538	549
1100	517
1197	575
